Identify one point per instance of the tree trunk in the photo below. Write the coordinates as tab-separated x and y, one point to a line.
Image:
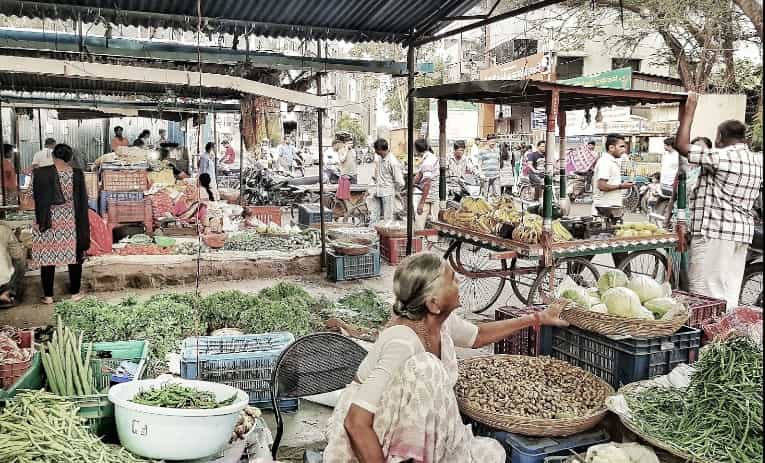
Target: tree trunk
753	10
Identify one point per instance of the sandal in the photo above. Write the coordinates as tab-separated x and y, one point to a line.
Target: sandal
46	300
77	297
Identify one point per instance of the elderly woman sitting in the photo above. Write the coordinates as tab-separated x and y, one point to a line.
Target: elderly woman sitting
401	406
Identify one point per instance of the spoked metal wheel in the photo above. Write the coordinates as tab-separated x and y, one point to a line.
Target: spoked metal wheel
582	271
522	280
479	288
651	263
526	193
751	286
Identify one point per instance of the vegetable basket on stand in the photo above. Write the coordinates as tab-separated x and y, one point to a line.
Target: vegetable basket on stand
613	325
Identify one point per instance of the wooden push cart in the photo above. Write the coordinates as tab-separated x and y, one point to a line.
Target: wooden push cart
486	262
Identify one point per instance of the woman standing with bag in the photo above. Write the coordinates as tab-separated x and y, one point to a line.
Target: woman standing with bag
62	232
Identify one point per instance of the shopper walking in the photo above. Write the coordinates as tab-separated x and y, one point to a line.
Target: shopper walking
62	233
427	181
489	168
722	223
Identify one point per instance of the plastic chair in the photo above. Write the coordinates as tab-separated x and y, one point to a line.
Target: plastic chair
315	364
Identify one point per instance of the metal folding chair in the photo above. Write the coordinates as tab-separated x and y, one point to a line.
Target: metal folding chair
314	364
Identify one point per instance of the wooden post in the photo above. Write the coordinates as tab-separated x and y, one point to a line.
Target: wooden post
2	157
547	203
241	161
39	128
410	63
215	140
442	147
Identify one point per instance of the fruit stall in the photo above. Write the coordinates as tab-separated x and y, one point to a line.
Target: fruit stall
492	244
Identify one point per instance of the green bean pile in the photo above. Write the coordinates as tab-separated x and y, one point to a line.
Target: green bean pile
178	396
40	427
718	418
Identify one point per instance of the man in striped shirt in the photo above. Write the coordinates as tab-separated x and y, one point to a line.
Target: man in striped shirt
488	159
722	222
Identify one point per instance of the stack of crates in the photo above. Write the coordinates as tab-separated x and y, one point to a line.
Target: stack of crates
345	268
122	199
309	215
393	248
245	362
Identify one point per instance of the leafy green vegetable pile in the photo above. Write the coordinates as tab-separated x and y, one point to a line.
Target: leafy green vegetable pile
171	395
718	418
363	308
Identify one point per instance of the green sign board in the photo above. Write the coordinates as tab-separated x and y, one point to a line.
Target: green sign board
618	78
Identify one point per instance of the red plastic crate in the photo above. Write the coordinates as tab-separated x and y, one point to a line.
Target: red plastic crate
394	249
11	372
130	211
702	308
267	214
524	342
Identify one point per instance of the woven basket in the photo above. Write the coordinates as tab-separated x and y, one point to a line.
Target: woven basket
611	325
634	428
541	427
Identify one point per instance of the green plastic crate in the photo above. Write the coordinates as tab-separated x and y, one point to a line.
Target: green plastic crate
32	379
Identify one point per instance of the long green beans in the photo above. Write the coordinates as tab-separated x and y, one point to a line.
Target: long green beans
718	418
40	427
68	372
177	396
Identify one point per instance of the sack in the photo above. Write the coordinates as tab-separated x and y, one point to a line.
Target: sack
343	188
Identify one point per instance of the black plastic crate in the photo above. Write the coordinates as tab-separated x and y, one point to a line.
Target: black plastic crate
309	214
524	341
621	361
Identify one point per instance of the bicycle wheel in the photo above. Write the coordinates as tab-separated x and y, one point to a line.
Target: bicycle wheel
527	193
476	293
751	286
582	271
631	200
651	263
522	283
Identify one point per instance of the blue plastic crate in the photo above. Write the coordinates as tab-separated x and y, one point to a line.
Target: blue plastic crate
525	449
621	361
245	362
107	196
344	268
310	214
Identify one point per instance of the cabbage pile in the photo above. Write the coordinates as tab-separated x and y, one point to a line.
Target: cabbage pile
638	297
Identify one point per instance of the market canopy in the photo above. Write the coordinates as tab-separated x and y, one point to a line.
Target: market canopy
536	94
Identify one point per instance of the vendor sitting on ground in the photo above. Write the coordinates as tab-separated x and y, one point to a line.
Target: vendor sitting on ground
401	405
12	268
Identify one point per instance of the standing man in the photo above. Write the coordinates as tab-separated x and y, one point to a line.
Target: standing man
388	179
44	157
207	161
427	181
118	139
489	168
534	168
670	162
12	268
348	167
229	155
162	138
722	223
286	155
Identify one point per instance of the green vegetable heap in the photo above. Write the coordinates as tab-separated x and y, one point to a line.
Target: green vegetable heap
718	418
38	426
178	396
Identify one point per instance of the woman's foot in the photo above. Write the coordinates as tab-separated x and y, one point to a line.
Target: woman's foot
5	298
46	300
77	297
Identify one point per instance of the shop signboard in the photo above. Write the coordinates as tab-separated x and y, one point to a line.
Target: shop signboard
620	79
534	67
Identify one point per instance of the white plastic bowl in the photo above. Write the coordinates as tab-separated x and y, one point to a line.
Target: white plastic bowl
170	433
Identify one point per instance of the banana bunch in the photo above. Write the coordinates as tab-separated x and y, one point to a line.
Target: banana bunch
503	202
528	230
512	216
475	205
485	224
560	233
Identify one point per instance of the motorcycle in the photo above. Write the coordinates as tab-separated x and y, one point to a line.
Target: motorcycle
467	186
752	283
264	187
631	200
583	183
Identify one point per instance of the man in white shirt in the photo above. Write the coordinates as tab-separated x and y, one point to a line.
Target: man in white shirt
670	162
44	157
427	180
389	179
12	268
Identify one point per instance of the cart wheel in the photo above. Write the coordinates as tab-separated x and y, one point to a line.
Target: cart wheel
521	284
582	271
751	286
479	293
650	263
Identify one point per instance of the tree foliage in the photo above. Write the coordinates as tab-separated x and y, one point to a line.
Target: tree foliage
348	124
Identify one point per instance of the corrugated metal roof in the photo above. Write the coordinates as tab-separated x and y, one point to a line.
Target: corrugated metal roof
349	20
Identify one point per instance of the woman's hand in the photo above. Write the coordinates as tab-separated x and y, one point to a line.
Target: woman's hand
551	316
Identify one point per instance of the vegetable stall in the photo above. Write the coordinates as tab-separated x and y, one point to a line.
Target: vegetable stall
488	253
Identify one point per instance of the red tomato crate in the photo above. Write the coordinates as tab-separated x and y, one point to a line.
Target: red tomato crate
11	372
267	214
130	211
394	249
702	308
524	342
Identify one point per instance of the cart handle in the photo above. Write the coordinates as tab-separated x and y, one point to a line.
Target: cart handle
503	255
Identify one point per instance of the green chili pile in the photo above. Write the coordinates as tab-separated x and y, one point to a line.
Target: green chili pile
38	426
179	396
718	417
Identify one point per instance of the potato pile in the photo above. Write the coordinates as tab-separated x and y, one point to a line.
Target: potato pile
533	387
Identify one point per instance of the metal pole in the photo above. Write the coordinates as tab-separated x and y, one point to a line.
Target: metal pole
410	148
443	160
39	127
241	159
215	140
320	126
552	116
562	154
2	157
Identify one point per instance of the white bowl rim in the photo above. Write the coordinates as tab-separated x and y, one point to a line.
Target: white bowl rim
239	404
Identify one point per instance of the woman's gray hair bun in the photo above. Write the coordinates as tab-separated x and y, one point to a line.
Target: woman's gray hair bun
414	280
